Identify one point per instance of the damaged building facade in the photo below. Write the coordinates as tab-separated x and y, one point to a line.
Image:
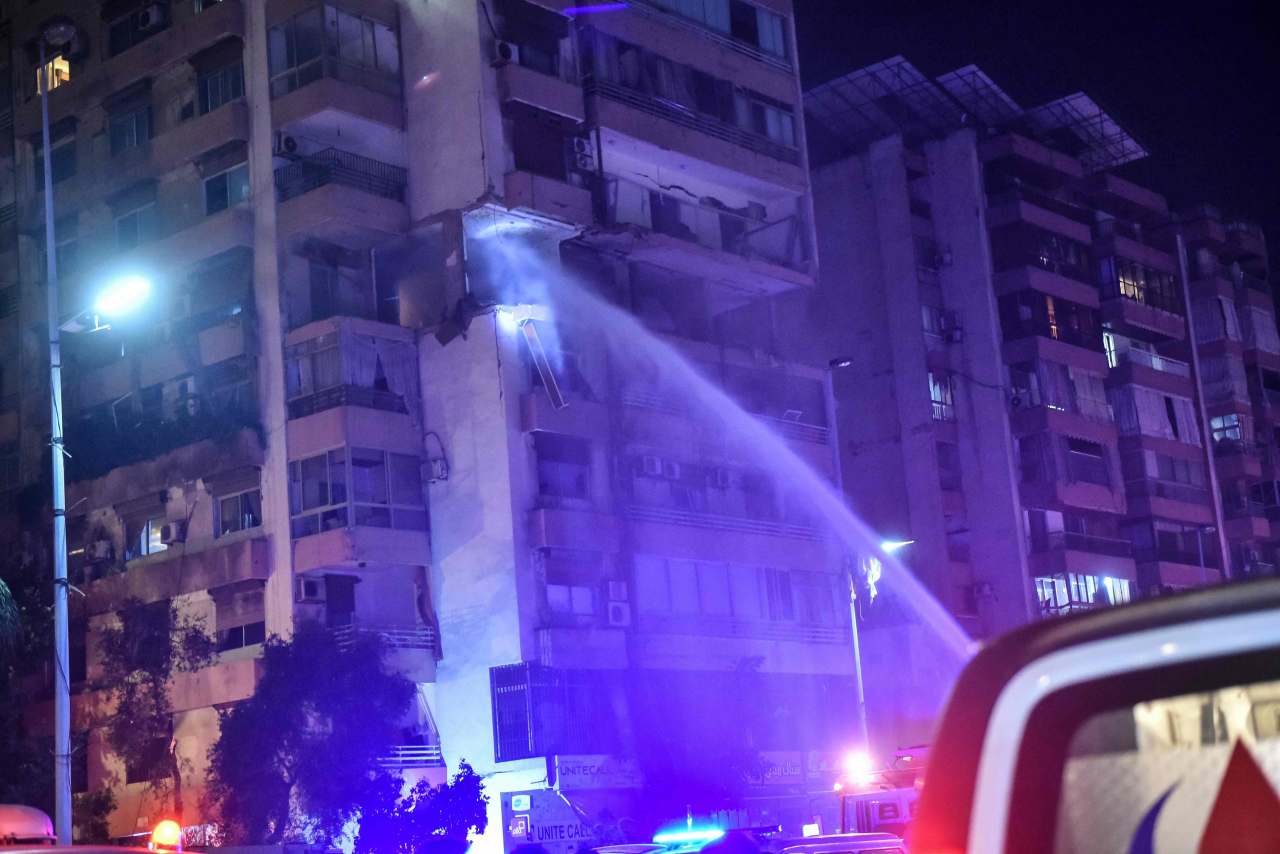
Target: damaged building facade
333	407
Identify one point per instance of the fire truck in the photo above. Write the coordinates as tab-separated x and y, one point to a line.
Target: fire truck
883	801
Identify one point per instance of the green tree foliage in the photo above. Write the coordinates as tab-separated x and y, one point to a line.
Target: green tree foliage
427	820
140	654
297	760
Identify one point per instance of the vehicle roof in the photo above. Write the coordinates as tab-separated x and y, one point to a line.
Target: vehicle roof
77	849
834	841
947	798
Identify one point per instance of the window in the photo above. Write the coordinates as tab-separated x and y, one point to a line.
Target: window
129	130
948	465
62	165
748	24
940	395
238	512
313	366
153	762
325	298
709	588
143	537
564	465
372	488
201	5
136	28
221	87
56	71
242	636
324	41
566	599
226	189
136	228
1087	462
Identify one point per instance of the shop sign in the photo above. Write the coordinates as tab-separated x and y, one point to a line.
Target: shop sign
596	772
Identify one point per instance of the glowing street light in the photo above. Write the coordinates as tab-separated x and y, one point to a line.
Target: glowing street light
123	296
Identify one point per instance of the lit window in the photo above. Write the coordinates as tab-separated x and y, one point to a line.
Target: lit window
55	72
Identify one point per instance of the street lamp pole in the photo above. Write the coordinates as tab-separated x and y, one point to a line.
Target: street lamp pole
61	668
833	434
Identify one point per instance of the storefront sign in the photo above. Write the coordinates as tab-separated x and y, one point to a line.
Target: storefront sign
543	817
781	768
596	772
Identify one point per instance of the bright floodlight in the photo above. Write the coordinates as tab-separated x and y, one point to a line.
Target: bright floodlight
858	763
123	296
894	545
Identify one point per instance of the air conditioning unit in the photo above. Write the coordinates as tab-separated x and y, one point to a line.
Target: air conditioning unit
942	258
718	478
651	466
284	144
582	145
505	52
619	614
308	590
584	162
173	532
1015	401
98	551
437	469
670	470
952	332
617	591
152	17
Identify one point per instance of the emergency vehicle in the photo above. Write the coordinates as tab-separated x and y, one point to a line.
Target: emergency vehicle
883	801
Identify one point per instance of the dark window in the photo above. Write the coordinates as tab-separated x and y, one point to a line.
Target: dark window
241	636
129	130
742	22
564	465
152	762
324	291
226	189
539	148
136	28
136	227
221	87
63	164
239	512
948	465
1087	462
325	41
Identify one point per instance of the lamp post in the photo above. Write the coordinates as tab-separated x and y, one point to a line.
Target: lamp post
833	435
57	35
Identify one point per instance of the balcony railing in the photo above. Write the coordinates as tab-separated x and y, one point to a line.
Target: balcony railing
346	395
715	522
1159	363
1064	332
389	636
690	119
1166	489
1088	469
649	9
1246	227
1040	199
1244	511
1187	557
1232	447
333	166
1126	229
796	430
1077	542
413	756
1253	283
331	66
943	411
712	626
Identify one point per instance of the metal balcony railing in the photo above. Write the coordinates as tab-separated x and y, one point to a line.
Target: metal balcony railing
715	522
1171	303
1077	542
1166	489
943	411
1159	363
714	626
413	756
1246	227
1229	447
346	395
333	166
694	120
796	430
389	636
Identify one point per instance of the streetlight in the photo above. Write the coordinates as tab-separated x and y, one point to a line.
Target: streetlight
891	546
833	436
57	34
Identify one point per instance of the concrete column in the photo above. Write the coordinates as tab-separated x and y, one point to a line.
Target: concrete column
278	596
987	455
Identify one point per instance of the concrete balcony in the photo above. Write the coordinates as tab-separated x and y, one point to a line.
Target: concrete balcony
554	528
1127	247
166	578
1039	210
208	237
330	93
1094	426
1048	349
1245	241
1164	319
1046	282
580	418
1247	523
1202	226
1083	554
353	425
410	650
192	138
1179	569
543	91
1126	197
157	54
361	548
1137	367
1063	495
343	198
1174	501
694	535
1235	459
1037	160
547	196
646	119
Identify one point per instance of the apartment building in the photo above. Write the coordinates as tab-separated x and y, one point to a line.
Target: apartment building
1025	307
322	415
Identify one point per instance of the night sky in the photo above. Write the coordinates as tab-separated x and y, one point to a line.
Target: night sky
1197	84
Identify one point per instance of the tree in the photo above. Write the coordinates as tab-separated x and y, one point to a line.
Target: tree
427	820
141	653
299	759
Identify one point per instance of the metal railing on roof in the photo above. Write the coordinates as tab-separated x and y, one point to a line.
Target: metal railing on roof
334	166
691	119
